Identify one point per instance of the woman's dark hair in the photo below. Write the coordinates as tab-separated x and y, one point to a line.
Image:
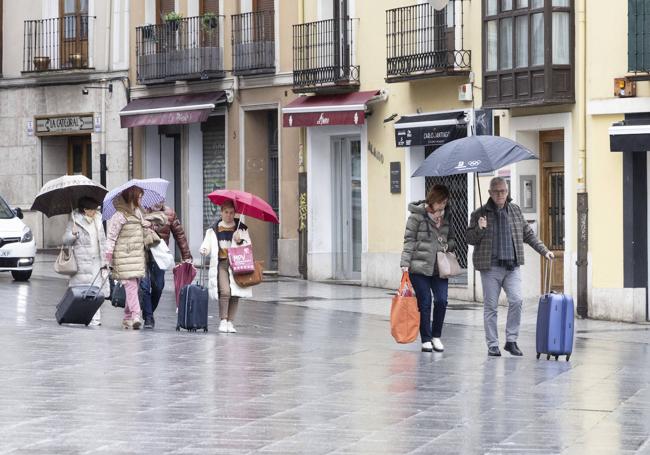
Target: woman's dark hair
228	205
131	194
87	203
437	194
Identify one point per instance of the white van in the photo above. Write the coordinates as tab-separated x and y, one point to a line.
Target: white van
17	246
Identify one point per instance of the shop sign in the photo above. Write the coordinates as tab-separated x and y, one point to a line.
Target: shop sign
57	125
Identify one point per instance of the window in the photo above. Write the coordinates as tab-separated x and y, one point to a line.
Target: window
638	35
209	6
528	48
164	7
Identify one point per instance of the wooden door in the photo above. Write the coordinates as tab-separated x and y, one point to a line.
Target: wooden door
80	156
74	33
551	146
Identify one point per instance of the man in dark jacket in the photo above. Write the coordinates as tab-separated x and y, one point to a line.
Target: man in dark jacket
153	283
498	231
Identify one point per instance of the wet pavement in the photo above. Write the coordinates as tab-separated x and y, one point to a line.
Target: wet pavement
313	370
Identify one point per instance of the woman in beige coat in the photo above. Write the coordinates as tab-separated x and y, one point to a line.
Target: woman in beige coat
125	250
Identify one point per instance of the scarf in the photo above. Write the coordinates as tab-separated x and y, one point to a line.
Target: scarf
505	245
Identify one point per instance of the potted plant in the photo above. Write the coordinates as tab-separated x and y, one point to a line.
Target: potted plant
173	18
41	63
209	21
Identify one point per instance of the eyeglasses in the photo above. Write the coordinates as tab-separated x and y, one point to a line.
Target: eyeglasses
499	191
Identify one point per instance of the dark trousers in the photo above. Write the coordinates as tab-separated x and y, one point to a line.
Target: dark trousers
424	286
152	286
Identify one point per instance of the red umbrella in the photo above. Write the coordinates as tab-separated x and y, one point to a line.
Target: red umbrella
245	203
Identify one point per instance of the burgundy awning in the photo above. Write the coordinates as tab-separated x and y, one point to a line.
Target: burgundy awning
327	110
170	110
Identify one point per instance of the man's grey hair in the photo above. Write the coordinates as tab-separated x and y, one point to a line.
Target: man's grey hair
497	181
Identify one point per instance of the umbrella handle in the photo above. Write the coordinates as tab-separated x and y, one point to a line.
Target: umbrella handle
478	184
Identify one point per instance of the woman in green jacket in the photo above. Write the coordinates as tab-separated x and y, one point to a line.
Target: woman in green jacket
428	230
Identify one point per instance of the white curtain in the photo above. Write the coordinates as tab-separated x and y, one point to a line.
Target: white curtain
521	40
560	38
492	43
537	4
505	43
537	36
491	7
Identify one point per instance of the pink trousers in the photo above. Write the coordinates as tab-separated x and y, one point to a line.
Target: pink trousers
132	306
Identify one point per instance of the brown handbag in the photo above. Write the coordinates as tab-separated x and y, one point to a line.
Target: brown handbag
404	313
245	280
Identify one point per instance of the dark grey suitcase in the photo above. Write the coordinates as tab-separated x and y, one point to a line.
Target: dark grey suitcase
80	303
193	306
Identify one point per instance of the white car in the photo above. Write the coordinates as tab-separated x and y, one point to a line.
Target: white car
17	246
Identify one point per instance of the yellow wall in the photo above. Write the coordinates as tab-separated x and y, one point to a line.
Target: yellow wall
386	211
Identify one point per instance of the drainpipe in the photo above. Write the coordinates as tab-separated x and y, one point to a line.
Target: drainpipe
582	196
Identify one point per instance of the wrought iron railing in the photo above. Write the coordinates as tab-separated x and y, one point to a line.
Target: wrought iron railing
189	48
421	40
62	43
324	54
253	42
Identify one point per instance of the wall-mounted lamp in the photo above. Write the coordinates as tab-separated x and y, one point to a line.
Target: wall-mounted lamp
108	87
390	118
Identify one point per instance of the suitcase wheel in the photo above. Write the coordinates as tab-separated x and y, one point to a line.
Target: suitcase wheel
548	356
178	329
206	329
557	357
538	354
567	357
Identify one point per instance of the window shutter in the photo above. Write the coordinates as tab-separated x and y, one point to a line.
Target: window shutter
264	5
166	6
210	6
638	35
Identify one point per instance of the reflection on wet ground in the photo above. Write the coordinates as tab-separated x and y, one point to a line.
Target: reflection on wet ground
318	373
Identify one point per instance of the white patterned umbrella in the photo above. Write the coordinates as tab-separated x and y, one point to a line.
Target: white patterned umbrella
61	195
154	193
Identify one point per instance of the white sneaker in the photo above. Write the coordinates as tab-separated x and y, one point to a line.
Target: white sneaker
437	345
223	326
95	322
427	347
231	328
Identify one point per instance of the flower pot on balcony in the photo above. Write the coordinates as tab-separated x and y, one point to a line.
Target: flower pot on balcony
76	60
41	63
173	25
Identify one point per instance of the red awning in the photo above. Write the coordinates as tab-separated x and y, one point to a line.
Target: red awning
170	110
328	110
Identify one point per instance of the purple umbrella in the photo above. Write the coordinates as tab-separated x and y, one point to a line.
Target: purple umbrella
154	193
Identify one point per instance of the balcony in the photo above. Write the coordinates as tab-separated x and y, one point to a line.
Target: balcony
324	54
189	48
58	44
423	42
253	43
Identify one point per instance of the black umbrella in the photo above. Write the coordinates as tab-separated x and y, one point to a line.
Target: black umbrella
473	154
61	195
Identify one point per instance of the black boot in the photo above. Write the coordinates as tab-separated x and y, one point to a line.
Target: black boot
149	322
512	348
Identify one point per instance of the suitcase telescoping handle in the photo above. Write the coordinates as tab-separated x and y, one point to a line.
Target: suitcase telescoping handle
99	272
201	281
548	272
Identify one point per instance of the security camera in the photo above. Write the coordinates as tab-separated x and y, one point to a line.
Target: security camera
84	91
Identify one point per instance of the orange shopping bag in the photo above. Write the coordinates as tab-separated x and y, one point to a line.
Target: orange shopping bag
404	313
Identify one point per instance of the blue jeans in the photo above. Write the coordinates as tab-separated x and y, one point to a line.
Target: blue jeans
424	286
152	286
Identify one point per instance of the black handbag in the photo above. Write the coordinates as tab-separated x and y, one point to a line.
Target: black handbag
118	293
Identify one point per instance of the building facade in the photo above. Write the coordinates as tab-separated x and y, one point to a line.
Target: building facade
388	82
63	82
210	78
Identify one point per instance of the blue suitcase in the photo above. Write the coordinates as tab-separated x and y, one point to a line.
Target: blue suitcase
193	306
555	324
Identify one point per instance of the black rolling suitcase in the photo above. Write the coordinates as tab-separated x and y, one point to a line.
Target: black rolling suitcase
80	303
193	305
